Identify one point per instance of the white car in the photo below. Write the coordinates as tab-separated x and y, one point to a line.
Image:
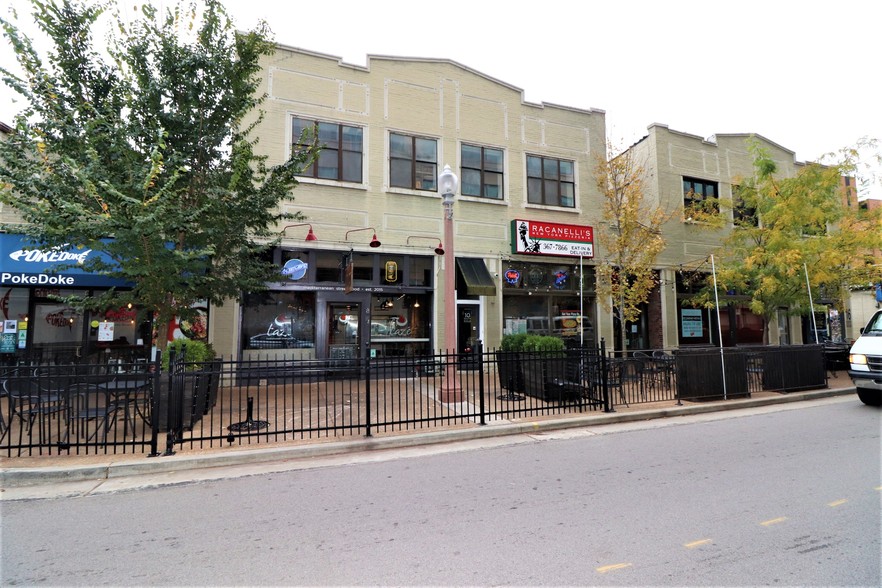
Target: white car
865	362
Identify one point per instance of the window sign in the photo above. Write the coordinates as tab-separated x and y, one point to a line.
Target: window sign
295	269
22	334
692	322
105	331
7	336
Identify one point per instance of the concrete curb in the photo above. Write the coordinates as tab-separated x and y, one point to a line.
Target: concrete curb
127	466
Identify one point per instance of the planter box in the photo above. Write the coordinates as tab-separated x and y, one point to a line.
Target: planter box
509	368
700	374
195	394
553	376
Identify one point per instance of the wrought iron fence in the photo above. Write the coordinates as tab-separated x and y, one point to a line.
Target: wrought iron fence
141	408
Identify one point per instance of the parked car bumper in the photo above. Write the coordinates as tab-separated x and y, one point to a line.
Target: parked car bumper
870	380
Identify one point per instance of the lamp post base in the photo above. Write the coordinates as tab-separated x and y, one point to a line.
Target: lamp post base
451	391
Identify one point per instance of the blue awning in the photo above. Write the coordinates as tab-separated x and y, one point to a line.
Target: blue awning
21	265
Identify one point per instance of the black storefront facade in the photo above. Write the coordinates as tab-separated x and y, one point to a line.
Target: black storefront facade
333	304
547	285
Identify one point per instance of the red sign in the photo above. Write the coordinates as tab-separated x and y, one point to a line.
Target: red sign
544	238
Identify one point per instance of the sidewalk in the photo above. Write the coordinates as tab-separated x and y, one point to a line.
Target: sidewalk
31	477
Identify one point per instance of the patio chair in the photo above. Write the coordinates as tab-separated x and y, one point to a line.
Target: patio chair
665	365
755	371
614	377
649	372
632	372
29	401
90	402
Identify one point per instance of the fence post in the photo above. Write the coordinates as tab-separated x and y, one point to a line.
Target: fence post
483	420
154	404
604	380
367	397
175	398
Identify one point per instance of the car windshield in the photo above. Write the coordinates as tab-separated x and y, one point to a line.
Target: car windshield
874	327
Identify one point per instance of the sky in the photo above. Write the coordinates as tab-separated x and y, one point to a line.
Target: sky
802	74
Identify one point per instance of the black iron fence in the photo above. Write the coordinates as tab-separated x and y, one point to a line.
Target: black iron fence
142	408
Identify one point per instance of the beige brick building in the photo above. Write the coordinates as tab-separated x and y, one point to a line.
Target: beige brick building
523	218
676	162
389	129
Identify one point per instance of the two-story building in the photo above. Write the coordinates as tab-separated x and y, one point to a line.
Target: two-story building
363	275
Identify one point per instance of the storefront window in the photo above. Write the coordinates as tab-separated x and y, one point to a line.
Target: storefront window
278	320
56	325
392	270
329	266
14	304
421	271
400	325
543	299
363	270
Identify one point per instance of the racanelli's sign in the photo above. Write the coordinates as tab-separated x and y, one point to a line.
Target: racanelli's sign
544	238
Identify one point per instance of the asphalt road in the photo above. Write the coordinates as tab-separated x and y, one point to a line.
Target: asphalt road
790	496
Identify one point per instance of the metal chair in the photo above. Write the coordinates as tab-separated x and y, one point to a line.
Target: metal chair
755	372
665	365
29	400
632	371
89	402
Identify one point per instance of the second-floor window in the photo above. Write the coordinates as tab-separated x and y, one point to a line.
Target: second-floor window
482	172
742	214
413	162
701	196
551	181
341	152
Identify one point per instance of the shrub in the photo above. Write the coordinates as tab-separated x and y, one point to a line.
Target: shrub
513	342
191	350
543	343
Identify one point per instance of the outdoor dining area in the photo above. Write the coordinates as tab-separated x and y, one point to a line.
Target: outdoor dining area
74	405
154	409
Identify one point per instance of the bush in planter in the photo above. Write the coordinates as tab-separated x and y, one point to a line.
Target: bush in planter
199	392
191	350
513	342
544	362
543	343
508	362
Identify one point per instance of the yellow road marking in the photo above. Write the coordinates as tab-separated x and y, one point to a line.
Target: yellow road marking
605	569
694	544
773	521
878	488
837	502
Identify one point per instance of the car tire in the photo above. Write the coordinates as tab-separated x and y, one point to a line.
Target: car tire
869	397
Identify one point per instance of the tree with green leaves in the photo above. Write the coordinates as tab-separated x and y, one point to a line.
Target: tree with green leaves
143	151
787	228
631	237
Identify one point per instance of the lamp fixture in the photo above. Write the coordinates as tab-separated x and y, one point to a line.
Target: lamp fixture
439	250
447	183
310	236
374	241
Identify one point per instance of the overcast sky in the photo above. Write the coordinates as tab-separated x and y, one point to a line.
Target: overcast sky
803	74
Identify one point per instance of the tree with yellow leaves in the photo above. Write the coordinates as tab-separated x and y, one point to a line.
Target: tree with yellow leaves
630	235
796	227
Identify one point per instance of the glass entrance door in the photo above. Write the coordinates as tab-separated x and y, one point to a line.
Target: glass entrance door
468	323
344	330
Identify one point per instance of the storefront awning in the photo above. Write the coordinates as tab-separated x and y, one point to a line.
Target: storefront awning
477	279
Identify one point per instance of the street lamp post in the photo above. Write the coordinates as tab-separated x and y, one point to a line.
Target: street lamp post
450	390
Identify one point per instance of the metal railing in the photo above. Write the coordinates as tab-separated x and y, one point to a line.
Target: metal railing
140	408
